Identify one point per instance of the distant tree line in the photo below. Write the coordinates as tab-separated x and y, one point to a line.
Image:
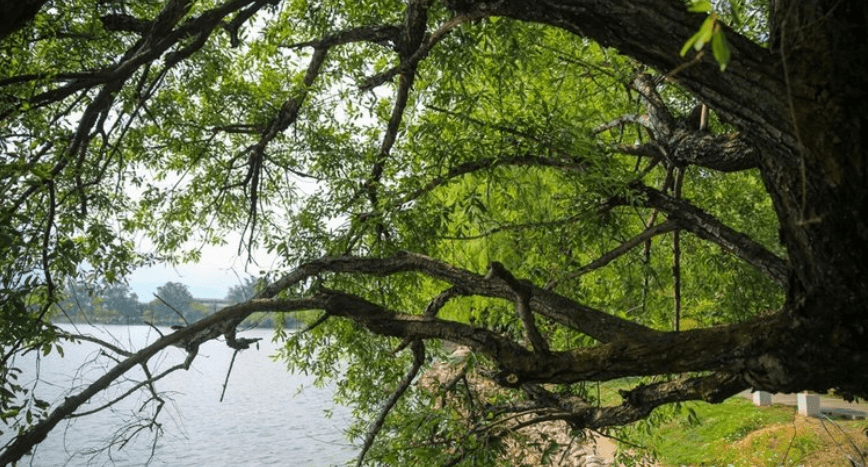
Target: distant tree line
173	304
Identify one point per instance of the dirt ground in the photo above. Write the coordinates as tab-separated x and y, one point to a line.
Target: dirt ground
838	444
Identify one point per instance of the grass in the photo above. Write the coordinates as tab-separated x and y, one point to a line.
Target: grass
738	434
719	426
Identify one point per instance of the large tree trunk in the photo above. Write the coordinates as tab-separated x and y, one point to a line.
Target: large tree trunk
820	187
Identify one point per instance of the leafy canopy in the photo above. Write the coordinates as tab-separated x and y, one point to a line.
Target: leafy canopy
335	128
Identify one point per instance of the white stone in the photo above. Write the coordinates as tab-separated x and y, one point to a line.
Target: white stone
809	404
762	398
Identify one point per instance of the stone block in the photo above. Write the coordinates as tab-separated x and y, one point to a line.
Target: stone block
762	398
809	404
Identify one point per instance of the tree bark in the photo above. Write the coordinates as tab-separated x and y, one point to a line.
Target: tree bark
804	107
14	14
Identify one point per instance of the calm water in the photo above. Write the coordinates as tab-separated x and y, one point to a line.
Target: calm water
263	419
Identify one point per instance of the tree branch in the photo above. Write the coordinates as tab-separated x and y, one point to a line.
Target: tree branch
484	164
637	403
732	152
719	349
201	331
687	142
597	324
618	251
706	226
756	71
657	119
523	292
418	359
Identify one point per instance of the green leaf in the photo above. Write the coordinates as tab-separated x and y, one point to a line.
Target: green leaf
700	6
720	48
698	40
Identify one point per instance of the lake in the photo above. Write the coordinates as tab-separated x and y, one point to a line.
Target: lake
263	419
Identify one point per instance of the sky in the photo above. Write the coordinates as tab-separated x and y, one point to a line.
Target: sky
220	269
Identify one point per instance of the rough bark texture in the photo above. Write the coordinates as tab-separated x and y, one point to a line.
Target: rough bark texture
14	14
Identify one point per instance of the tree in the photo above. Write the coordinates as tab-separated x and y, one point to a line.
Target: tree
78	299
117	298
173	304
443	128
242	292
108	301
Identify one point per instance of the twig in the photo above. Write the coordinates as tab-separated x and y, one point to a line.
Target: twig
418	359
228	372
136	387
620	250
676	253
322	319
187	323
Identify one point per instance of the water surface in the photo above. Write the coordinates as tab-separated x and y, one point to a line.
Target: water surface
263	419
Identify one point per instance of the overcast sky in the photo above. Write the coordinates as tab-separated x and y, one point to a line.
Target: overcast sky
220	269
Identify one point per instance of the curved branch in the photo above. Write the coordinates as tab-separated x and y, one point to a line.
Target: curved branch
756	71
706	226
375	34
286	116
637	403
597	324
733	348
149	381
61	334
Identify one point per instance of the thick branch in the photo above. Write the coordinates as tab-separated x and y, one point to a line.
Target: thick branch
375	34
730	152
753	71
687	142
523	292
658	120
638	402
599	325
745	349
